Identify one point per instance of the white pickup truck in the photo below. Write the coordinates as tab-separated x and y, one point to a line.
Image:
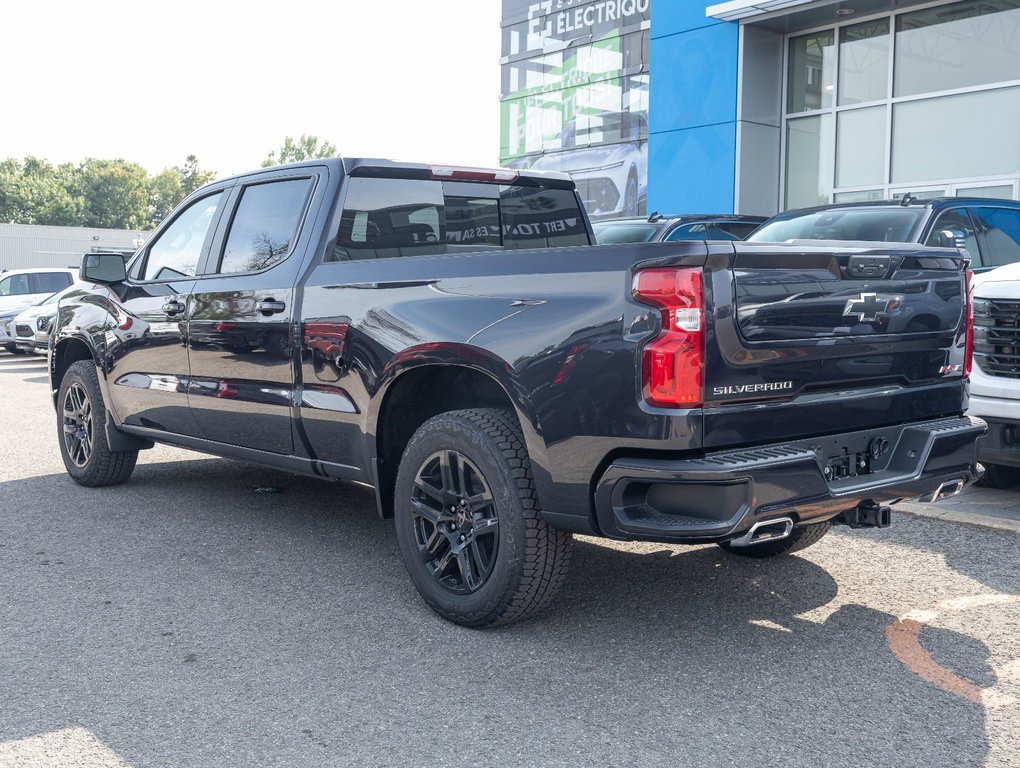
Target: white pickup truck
995	380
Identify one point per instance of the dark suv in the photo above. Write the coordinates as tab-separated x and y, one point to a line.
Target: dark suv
988	229
668	229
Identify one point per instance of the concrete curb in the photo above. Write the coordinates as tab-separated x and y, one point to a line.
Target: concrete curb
950	515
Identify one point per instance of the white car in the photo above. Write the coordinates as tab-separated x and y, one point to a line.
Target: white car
995	378
21	288
29	330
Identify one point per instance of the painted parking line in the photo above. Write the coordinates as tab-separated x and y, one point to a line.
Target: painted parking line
903	636
59	749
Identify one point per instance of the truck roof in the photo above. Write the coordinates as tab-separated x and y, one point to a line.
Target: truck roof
382	168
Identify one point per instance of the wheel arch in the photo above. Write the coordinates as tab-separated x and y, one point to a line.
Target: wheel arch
67	351
416	391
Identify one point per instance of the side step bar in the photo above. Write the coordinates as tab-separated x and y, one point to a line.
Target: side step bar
765	530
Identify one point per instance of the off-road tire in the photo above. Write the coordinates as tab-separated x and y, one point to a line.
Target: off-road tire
103	466
999	476
799	538
531	558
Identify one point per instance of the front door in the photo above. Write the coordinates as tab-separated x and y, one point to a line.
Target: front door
239	332
148	373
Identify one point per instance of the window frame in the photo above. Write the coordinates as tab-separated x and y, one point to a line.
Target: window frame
933	227
979	236
212	262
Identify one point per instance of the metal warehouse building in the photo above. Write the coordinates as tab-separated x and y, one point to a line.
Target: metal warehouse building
23	245
757	106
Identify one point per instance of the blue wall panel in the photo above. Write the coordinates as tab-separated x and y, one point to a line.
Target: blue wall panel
672	16
693	170
692	110
693	78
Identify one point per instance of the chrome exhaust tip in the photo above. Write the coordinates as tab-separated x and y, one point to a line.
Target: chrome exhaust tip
765	530
947	490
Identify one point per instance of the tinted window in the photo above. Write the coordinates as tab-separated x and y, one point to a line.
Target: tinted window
998	235
384	218
732	230
889	224
15	285
51	282
265	225
537	217
176	252
608	234
688	232
956	220
472	221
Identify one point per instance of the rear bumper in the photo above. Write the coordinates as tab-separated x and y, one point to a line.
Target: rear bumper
721	495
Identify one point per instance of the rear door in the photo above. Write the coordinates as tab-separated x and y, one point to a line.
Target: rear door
239	333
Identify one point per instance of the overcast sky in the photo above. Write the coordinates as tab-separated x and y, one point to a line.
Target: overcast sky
227	81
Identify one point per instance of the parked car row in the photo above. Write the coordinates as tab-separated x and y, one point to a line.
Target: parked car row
28	331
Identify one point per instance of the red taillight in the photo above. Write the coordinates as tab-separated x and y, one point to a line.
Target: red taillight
968	347
673	362
451	173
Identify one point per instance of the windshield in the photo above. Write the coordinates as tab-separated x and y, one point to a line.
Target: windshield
889	224
607	234
49	299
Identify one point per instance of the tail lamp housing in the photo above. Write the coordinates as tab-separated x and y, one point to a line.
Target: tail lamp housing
673	363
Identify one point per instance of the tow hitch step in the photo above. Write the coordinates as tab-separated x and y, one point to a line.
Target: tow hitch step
866	516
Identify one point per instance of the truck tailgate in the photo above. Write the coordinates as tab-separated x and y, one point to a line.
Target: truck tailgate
831	339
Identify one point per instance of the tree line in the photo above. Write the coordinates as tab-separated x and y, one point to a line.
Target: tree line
115	194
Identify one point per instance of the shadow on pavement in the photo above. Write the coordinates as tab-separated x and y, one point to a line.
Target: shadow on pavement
186	619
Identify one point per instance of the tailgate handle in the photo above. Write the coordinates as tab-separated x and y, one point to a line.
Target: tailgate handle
869	266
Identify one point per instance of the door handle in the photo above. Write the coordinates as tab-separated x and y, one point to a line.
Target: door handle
173	308
270	306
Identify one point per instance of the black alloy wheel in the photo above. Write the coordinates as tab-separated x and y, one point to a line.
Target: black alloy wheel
456	526
469	526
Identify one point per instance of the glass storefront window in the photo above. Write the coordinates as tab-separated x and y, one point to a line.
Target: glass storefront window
957	46
967	135
999	191
864	62
860	142
809	148
811	70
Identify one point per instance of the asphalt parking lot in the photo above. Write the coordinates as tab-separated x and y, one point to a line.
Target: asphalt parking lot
210	613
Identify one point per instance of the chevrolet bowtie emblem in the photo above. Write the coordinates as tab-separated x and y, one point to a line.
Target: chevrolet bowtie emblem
866	307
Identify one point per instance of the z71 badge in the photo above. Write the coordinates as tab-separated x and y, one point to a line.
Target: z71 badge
750	389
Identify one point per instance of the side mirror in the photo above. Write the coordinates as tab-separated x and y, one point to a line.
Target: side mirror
108	268
951	238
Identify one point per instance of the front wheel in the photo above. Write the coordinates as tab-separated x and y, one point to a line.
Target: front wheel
81	419
470	531
799	538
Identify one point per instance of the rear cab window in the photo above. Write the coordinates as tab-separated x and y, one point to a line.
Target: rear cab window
388	218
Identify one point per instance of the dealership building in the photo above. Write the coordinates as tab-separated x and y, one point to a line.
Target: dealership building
757	106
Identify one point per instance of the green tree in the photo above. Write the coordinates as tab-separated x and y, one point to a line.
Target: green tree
36	192
305	148
115	192
192	177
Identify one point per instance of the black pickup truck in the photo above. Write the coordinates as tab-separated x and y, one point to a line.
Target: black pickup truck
451	337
